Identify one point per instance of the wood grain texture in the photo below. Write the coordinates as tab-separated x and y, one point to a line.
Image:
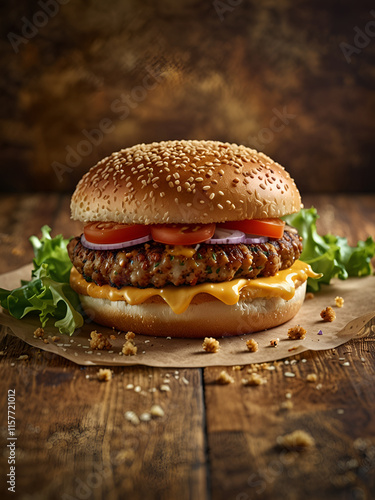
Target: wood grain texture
73	440
337	411
214	442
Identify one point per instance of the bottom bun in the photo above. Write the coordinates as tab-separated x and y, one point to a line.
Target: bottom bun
212	318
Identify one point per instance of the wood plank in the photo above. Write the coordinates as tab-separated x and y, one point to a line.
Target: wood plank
73	440
243	423
72	429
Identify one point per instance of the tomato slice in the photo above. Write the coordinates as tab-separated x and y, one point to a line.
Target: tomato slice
182	234
112	232
273	228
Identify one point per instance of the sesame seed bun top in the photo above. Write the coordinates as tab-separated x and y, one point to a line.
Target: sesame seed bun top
184	182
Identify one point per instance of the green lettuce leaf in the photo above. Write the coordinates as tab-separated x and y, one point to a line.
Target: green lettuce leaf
48	293
330	255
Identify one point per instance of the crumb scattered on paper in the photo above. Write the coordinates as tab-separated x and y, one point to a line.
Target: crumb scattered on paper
211	345
99	341
339	301
252	345
129	348
296	332
328	314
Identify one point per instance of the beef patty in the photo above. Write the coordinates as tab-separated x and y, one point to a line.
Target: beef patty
156	265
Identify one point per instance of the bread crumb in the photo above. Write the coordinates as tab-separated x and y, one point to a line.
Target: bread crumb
130	336
339	301
252	345
39	333
254	367
55	338
164	388
23	356
211	345
129	348
312	377
104	374
286	405
254	379
224	378
297	440
309	296
328	314
132	417
237	368
99	341
296	332
113	337
157	411
45	341
274	342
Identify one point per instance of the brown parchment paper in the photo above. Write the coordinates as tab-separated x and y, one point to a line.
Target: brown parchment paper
359	309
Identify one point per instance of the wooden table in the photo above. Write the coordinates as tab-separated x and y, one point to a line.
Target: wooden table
214	442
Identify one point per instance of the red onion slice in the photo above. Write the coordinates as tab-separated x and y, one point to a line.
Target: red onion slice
224	236
253	239
114	246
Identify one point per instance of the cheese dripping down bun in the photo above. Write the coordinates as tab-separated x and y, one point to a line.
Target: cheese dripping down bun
189	182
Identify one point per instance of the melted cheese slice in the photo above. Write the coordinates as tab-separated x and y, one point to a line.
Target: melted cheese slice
181	250
178	298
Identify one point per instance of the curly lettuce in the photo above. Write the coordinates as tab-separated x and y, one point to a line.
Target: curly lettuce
48	293
330	255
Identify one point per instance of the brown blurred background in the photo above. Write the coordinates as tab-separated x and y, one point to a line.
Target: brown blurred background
81	79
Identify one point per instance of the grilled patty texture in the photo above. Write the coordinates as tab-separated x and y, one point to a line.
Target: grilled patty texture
157	265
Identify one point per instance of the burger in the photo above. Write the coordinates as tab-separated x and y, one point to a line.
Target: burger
185	239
